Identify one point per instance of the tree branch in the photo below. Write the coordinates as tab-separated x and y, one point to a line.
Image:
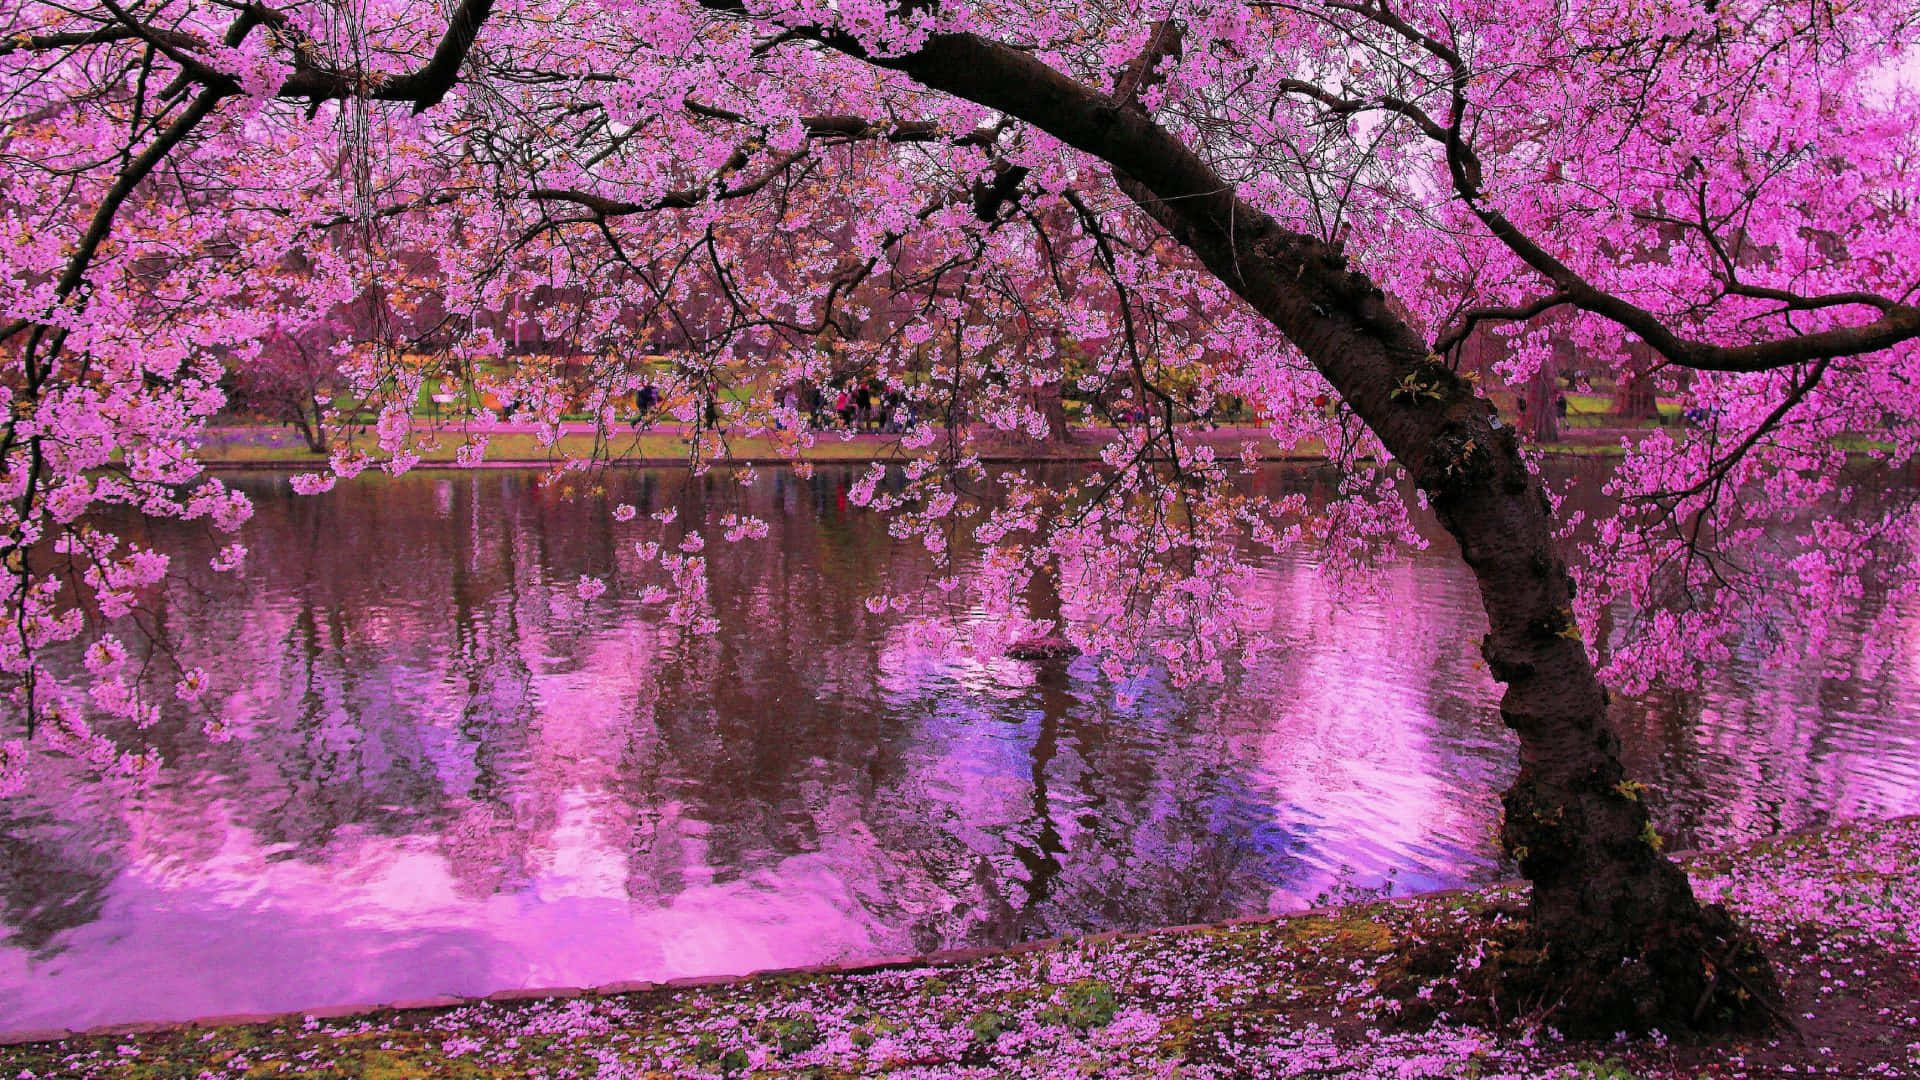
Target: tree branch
1896	323
1474	316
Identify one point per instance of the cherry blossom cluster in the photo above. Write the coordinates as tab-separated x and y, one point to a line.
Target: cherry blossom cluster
593	216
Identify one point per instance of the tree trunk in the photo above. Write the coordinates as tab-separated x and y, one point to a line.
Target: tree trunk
1621	939
1053	405
1542	392
1633	394
1049	398
312	429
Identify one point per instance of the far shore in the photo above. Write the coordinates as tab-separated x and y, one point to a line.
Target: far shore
277	448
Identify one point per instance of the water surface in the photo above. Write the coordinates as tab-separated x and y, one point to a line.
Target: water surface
449	777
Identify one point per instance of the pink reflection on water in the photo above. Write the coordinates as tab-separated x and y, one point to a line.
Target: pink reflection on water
441	786
387	918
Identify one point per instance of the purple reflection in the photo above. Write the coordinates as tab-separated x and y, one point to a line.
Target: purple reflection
446	775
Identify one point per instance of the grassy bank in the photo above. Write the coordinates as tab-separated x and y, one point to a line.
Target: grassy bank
264	447
254	448
1303	996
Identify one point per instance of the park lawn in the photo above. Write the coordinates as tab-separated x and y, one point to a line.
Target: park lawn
524	449
1347	992
260	445
1592	409
1589	409
666	448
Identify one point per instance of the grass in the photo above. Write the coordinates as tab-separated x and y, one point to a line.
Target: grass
1587	410
270	446
523	449
266	445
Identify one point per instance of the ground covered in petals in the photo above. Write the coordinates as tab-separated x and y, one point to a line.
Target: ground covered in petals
1298	997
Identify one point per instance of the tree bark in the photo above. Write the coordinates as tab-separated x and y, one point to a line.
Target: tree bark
1633	394
1049	398
1621	938
1053	405
1542	392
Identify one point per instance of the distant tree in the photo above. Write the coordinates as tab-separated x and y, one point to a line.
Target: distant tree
1634	394
293	378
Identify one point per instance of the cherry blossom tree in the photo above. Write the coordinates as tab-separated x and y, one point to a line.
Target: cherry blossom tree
1308	206
291	379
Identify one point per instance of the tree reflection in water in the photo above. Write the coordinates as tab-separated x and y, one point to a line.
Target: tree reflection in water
448	774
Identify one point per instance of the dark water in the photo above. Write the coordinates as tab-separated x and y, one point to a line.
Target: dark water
448	779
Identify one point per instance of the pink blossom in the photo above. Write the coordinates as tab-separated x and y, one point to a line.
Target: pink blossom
191	685
229	558
312	483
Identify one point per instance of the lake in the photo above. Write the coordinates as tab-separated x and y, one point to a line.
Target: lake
445	775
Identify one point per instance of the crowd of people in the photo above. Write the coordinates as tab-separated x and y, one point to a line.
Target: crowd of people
859	405
862	405
867	406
